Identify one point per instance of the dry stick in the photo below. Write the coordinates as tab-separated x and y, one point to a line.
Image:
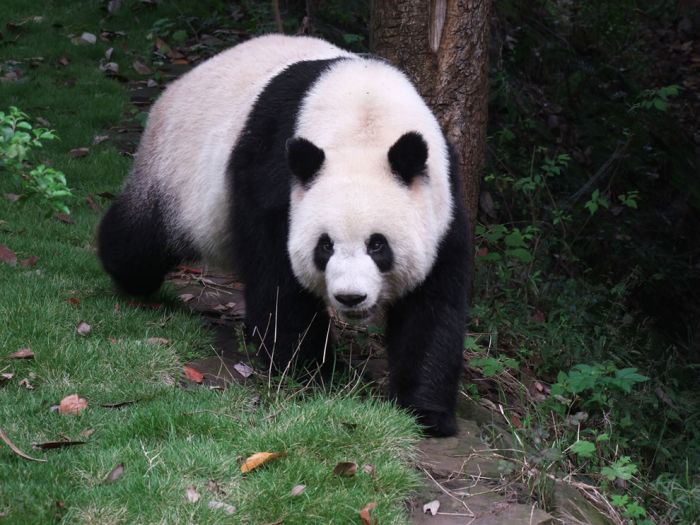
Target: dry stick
17	451
601	173
449	493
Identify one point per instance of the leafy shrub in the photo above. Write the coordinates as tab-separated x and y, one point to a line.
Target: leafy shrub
17	140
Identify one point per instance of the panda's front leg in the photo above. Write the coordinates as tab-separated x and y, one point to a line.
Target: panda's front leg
425	334
288	325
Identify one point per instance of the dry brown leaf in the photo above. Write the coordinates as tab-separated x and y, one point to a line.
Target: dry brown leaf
214	504
29	262
83	329
186	297
49	445
22	353
87	432
115	474
141	68
77	153
297	490
7	256
214	488
99	139
6	376
88	38
345	469
14	448
64	218
368	469
259	459
26	384
193	374
73	301
72	404
243	369
63	61
90	200
157	341
365	513
192	495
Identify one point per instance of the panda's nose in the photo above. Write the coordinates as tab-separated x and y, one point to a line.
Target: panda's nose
350	299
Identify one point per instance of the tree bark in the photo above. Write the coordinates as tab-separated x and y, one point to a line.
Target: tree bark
443	46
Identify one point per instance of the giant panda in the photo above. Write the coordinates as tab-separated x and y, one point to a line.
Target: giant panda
322	178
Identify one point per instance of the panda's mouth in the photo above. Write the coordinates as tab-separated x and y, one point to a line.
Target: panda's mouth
356	316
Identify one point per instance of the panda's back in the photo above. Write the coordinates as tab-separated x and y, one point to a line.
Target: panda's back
194	125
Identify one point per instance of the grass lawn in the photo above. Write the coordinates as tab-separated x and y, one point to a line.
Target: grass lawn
170	438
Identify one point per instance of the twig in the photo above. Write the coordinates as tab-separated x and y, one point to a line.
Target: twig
600	174
14	448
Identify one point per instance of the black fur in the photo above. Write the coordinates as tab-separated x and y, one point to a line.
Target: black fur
380	251
407	157
305	159
135	247
425	330
261	186
323	252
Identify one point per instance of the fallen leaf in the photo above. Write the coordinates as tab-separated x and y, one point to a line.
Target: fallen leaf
6	376
214	504
186	297
90	200
193	374
243	369
83	329
157	341
368	469
115	474
63	61
7	256
119	404
141	68
64	218
29	262
99	139
109	53
87	432
110	67
16	450
76	153
72	404
22	353
26	384
151	83
49	445
192	494
259	459
297	490
214	488
345	469
365	515
73	301
432	507
12	197
88	38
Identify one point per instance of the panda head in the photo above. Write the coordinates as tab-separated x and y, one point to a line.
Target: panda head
363	222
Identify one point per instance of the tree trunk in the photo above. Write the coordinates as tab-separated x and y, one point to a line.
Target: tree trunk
443	46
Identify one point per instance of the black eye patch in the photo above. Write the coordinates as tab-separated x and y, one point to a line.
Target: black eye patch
379	250
323	251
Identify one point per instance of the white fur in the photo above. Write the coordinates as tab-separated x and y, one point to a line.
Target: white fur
194	125
355	113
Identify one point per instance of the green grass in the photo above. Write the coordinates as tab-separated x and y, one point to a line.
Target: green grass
170	437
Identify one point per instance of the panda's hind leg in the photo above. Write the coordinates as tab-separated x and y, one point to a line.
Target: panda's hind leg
134	244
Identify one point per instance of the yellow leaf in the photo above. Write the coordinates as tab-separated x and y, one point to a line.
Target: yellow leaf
258	459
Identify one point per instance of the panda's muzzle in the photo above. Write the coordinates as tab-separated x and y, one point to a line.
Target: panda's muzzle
350	300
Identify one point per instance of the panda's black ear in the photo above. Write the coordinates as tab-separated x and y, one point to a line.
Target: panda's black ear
407	157
304	159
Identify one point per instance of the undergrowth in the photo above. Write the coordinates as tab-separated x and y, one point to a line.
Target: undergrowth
584	325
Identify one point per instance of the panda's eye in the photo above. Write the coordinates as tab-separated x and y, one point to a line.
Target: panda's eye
377	242
327	246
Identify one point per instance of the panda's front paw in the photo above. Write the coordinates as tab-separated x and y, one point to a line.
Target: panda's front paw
437	424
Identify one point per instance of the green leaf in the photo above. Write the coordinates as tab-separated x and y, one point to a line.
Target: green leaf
583	449
179	36
520	254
